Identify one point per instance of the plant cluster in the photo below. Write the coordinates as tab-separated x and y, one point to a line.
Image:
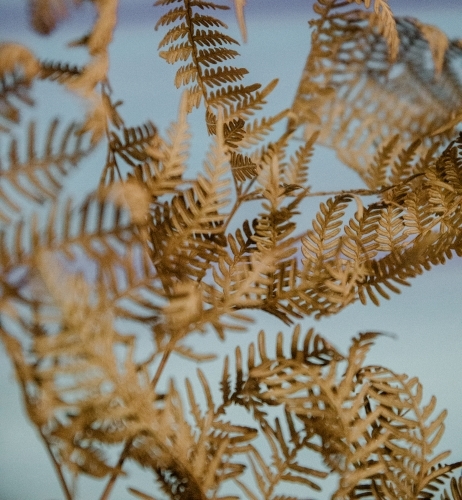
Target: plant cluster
169	258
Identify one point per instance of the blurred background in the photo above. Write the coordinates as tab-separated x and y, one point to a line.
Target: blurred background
425	318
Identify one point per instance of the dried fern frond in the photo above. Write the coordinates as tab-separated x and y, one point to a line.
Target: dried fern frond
296	172
184	232
255	258
377	173
58	71
158	252
168	155
18	68
256	131
286	464
13	87
197	30
385	23
456	490
283	467
133	288
37	177
367	425
132	146
229	264
249	103
243	282
61	407
314	351
360	98
242	167
414	226
274	225
98	229
322	243
272	231
204	455
195	39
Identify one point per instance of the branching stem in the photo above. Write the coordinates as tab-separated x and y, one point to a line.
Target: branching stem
128	444
57	468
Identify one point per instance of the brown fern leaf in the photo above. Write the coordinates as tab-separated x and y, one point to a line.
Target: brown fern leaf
386	272
308	391
256	131
13	86
18	68
242	167
58	71
403	168
233	132
321	244
37	177
188	230
165	164
63	406
179	253
359	98
360	243
196	39
383	20
412	439
132	146
365	417
284	466
132	286
296	172
390	236
246	105
376	176
205	453
98	229
456	490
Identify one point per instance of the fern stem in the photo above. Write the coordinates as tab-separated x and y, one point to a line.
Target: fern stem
161	367
359	191
23	383
194	53
117	469
57	468
241	198
128	444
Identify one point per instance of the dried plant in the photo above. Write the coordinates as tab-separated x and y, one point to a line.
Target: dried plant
167	256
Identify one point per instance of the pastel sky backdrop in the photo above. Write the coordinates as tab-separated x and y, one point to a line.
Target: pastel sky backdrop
426	318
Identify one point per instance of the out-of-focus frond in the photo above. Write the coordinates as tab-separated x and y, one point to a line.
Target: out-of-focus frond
358	98
37	177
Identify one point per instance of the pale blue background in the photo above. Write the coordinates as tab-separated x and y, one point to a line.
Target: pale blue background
427	318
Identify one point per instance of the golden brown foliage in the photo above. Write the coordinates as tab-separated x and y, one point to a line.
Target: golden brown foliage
167	257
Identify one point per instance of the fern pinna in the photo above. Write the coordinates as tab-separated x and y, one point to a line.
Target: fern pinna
196	40
98	296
